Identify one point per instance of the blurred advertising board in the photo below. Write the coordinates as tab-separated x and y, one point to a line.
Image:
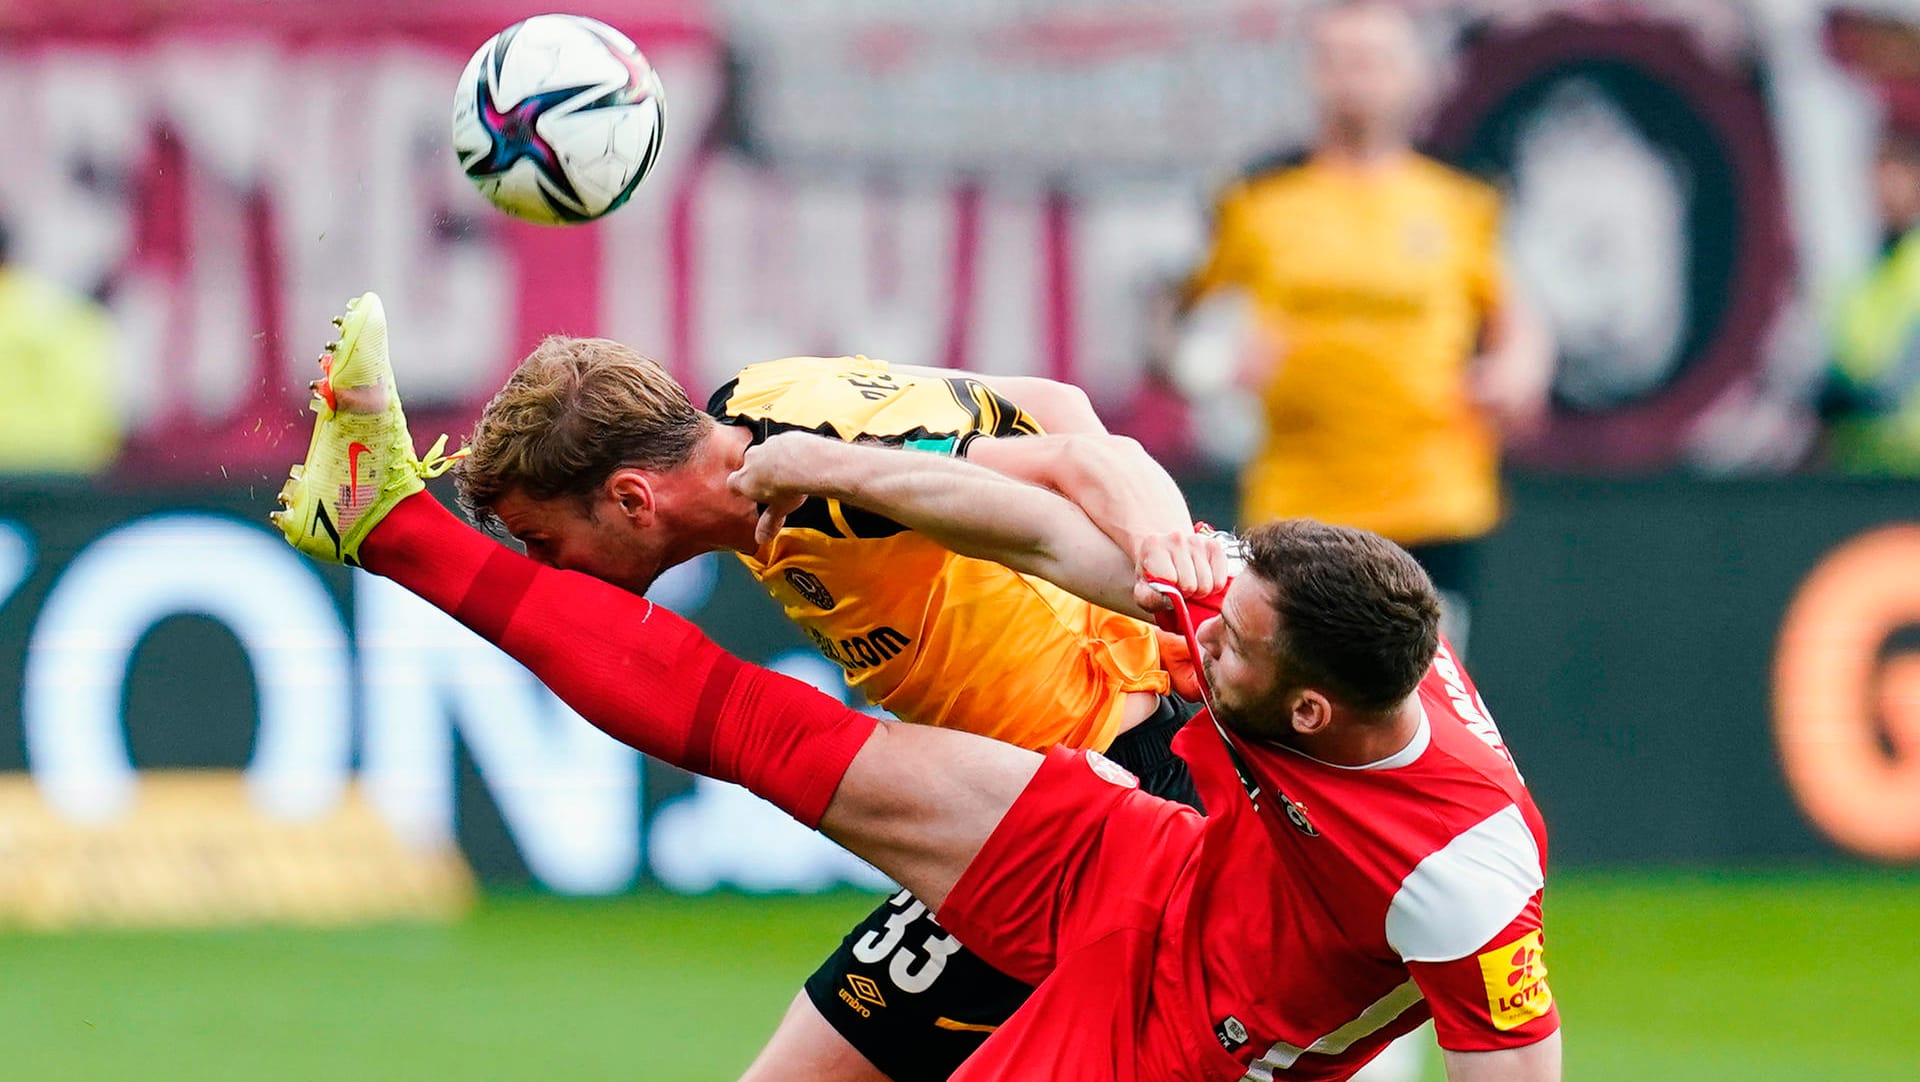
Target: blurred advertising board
1006	186
197	725
200	725
1711	672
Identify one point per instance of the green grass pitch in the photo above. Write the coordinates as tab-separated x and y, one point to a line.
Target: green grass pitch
1695	977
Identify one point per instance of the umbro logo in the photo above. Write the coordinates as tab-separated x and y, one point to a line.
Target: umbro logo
862	995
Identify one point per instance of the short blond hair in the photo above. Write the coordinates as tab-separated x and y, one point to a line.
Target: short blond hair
573	412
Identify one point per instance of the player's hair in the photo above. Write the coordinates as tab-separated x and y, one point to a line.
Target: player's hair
1359	620
576	410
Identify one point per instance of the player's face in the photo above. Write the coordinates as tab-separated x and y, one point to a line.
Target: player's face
1368	73
1237	655
574	536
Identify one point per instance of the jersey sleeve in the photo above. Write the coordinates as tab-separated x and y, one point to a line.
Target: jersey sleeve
1497	997
1232	257
1486	261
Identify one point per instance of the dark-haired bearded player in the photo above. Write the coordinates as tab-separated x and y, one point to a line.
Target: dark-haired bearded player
1372	860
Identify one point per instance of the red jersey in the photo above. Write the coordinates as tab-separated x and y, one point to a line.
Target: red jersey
1411	887
1291	941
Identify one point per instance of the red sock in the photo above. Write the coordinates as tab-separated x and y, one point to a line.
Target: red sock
644	675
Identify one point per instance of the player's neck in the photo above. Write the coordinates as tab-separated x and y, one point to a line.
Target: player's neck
1362	741
1361	150
713	515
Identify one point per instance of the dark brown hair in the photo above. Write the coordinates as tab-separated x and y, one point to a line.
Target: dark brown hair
1359	619
576	410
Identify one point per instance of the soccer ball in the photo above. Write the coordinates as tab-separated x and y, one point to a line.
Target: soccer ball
558	118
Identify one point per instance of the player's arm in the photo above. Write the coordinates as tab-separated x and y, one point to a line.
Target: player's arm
1513	376
1112	479
1060	408
1537	1062
975	512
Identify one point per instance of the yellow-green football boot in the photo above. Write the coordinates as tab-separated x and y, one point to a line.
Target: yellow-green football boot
361	460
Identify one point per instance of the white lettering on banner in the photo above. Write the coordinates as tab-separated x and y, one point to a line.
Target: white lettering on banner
229	220
16	558
720	834
569	794
129	580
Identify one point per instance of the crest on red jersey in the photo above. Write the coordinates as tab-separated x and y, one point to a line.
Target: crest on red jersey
1297	815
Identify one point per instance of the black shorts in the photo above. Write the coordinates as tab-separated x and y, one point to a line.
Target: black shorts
909	997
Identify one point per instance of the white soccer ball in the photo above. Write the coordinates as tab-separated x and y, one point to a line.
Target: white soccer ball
558	118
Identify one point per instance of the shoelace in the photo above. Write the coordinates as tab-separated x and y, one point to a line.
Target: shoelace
435	462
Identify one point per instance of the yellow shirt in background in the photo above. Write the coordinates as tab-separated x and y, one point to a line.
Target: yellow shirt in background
1377	284
58	409
935	638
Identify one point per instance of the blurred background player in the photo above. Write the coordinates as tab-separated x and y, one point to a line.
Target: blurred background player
60	414
1388	350
594	458
1872	397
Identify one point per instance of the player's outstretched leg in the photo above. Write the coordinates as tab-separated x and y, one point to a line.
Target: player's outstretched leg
637	671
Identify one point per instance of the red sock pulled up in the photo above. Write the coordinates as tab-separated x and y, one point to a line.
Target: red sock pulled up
635	670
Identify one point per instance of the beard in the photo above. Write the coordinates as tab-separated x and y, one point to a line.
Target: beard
1262	717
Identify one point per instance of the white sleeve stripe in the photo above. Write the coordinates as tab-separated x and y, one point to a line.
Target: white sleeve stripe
1463	894
1282	1056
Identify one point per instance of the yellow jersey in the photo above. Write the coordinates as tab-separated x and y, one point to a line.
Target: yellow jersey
1377	285
935	638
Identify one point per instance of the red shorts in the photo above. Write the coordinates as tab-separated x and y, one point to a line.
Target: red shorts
1081	891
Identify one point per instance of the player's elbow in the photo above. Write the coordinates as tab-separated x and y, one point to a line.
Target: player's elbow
1059	407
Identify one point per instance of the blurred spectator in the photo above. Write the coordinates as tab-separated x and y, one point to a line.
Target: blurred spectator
1872	398
1387	349
58	412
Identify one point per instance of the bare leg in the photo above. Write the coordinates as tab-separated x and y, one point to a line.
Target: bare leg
918	803
806	1046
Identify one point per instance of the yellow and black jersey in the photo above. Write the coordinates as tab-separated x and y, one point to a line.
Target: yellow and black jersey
1377	285
935	638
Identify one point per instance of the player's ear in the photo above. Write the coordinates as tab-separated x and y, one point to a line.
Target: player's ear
1310	712
631	492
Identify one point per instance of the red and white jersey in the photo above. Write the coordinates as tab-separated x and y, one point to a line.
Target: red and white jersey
1357	902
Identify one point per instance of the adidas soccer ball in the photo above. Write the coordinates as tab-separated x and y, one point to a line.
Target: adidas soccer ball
558	118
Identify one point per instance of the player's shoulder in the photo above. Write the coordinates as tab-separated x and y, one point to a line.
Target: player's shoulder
1481	859
1265	177
761	385
1471	191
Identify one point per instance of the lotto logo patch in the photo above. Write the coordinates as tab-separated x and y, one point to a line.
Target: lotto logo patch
1516	978
1108	770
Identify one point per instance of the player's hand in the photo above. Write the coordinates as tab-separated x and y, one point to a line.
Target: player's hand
1195	563
1518	403
1183	672
778	475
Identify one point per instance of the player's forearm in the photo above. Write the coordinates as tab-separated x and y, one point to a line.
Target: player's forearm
977	512
1519	346
1537	1062
1112	479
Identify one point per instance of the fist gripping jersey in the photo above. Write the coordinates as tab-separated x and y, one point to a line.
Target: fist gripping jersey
935	638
